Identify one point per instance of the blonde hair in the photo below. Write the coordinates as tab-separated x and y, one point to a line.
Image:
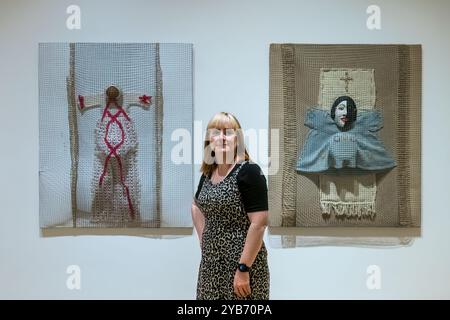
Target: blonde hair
220	121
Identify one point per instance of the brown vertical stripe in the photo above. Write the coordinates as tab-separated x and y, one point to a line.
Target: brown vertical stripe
158	136
73	128
403	142
289	139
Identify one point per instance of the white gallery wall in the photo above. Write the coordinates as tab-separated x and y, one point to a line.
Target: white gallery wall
231	73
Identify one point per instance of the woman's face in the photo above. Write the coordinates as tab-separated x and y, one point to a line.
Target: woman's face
223	141
340	115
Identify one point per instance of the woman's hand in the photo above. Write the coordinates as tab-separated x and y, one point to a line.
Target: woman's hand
242	284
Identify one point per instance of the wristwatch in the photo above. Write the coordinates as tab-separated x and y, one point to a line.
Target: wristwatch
243	267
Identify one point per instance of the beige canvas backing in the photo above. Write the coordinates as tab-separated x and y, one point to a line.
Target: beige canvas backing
295	71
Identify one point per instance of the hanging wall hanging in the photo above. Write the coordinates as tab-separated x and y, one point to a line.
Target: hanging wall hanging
349	119
107	111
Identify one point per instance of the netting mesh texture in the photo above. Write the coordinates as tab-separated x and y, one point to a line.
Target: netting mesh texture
105	162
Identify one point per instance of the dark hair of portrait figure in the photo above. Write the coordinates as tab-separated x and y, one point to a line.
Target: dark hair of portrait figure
350	117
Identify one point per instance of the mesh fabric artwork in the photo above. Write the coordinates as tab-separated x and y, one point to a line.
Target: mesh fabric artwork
382	189
106	114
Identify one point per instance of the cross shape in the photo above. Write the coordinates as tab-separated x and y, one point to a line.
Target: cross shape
347	79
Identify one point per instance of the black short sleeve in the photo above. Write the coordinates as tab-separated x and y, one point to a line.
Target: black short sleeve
253	187
200	184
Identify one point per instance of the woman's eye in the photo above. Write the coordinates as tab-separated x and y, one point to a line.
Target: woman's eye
215	132
229	132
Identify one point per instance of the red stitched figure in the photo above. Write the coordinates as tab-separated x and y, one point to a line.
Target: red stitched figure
115	184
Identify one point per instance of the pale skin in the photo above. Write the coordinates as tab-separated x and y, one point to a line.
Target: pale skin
340	117
224	145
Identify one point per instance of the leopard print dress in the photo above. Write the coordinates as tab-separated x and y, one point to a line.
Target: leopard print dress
224	234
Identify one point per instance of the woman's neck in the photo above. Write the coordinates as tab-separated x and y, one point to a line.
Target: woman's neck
222	169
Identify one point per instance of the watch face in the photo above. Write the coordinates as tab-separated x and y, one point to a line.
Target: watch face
243	267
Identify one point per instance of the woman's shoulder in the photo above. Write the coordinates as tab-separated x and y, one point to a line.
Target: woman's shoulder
253	187
249	165
250	170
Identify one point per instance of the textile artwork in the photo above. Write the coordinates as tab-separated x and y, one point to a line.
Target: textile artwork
107	111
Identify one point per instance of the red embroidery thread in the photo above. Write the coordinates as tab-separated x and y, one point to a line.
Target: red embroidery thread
145	99
113	149
81	101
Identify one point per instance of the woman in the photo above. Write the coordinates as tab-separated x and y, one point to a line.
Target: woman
230	213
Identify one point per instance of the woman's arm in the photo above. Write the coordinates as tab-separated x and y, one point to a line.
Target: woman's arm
255	233
253	242
199	221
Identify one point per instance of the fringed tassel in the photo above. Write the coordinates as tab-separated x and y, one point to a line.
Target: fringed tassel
349	209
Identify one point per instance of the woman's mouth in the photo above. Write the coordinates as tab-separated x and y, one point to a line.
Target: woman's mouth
344	119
